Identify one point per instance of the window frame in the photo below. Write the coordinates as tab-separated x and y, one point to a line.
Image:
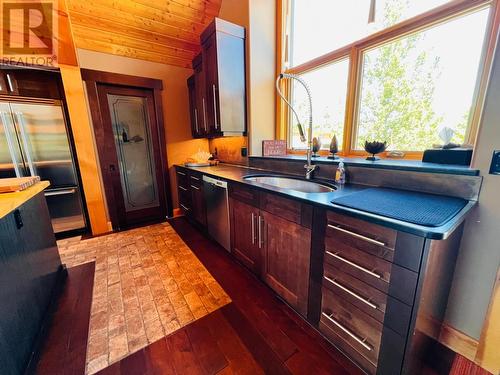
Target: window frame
354	53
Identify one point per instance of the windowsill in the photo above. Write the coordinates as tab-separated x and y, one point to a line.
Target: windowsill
392	164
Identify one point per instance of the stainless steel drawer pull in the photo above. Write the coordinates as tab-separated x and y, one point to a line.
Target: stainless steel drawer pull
182	188
355	337
253	228
261	240
60	192
195	178
194	187
361	237
182	174
361	268
347	290
186	208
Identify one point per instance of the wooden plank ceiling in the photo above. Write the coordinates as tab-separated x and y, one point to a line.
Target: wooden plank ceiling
164	31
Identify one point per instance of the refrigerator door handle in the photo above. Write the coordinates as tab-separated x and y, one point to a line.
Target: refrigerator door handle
10	144
59	192
22	130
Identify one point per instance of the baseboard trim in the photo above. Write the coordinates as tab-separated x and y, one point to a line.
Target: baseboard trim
458	341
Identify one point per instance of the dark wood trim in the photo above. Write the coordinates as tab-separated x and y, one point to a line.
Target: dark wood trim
163	150
121	79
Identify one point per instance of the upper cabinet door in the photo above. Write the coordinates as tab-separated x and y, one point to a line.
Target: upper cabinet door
201	100
193	110
212	85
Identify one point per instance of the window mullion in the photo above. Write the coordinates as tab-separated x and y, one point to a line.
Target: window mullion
350	113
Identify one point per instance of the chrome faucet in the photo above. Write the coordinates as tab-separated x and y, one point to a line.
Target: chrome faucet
309	167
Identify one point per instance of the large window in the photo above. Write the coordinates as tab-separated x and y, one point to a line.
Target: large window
376	73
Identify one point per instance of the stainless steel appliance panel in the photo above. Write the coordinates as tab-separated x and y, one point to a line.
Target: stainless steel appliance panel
42	135
65	208
217	210
11	160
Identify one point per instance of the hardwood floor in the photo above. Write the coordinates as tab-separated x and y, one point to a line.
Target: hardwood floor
65	347
257	333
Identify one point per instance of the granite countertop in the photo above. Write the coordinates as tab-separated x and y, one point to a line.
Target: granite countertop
10	201
233	173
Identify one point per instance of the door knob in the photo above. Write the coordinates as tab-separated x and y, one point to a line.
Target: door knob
112	167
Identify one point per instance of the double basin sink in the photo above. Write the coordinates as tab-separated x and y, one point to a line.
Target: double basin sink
291	183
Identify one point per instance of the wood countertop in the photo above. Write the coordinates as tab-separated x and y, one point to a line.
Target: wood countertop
10	201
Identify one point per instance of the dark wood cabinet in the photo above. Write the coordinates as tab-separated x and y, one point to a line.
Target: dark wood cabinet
268	238
191	196
286	259
31	83
200	108
218	89
244	236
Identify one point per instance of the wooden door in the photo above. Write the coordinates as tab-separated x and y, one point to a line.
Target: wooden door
244	239
211	81
286	257
130	153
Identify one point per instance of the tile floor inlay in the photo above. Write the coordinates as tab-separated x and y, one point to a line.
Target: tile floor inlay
148	284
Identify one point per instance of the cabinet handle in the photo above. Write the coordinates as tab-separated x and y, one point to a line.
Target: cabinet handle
182	174
182	188
361	237
359	340
261	237
196	120
9	83
361	268
186	208
24	137
215	106
347	290
253	228
60	192
194	187
195	178
204	115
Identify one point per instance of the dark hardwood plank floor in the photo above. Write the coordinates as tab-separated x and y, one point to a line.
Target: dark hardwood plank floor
256	333
65	347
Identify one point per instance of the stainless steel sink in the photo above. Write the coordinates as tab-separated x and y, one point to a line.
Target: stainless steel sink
291	183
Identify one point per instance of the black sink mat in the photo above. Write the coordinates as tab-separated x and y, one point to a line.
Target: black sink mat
413	207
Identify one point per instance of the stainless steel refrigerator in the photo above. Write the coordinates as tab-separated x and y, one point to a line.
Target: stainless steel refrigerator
34	141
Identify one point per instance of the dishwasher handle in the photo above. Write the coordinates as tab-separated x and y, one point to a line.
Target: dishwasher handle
213	181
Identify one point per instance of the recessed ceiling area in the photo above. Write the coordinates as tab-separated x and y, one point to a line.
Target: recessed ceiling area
160	31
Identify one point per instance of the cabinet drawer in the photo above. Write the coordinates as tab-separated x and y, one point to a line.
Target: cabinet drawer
288	209
370	269
355	328
244	194
182	179
367	298
372	238
195	180
184	200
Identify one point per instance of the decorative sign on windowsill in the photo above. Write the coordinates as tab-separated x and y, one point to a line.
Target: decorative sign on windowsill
273	148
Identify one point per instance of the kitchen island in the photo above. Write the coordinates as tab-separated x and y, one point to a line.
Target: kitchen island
30	268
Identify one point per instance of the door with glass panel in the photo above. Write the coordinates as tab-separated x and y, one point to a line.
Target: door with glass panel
130	155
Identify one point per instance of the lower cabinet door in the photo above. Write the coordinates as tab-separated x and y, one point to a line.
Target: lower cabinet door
244	239
286	249
198	204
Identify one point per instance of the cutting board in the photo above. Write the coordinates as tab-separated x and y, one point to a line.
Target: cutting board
9	185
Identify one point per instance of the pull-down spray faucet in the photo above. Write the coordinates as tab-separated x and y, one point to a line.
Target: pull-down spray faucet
309	167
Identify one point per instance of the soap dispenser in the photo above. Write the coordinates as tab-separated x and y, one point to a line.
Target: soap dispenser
340	174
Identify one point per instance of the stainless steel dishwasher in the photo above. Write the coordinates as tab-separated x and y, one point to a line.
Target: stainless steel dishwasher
217	210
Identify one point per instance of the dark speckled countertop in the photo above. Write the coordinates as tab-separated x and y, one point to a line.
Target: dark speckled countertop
233	173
